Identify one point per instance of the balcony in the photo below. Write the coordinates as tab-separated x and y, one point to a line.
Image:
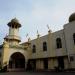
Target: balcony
12	37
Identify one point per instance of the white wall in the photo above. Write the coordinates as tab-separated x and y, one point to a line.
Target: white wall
60	51
69	29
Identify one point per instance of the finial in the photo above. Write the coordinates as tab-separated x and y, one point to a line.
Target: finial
38	35
15	20
48	28
29	39
27	36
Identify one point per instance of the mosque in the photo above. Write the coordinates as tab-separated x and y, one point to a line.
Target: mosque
56	49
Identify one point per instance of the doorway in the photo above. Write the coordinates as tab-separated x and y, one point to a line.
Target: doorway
61	62
45	63
17	61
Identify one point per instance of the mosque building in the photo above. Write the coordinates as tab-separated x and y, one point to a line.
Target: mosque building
56	49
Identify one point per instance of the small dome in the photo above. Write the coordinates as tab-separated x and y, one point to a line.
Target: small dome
72	17
15	20
14	23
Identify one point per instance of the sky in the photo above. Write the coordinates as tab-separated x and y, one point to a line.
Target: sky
35	15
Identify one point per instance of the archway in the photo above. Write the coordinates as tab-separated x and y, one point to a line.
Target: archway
17	61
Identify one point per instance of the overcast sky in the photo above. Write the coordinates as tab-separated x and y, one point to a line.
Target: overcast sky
35	15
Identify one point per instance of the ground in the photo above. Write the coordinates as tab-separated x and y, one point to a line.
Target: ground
38	73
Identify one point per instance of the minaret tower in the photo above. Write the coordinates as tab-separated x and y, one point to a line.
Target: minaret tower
13	36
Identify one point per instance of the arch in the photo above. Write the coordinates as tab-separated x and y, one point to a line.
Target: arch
17	61
44	46
74	38
58	43
34	48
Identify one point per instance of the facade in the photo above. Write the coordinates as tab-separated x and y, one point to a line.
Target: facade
56	49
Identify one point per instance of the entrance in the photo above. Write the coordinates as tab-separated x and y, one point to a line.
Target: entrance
45	63
61	62
17	61
31	65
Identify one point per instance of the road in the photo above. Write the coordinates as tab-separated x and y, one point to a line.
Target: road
38	73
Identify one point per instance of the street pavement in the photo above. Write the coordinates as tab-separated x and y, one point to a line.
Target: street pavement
38	73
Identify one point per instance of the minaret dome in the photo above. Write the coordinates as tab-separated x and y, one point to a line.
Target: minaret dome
14	23
13	36
72	17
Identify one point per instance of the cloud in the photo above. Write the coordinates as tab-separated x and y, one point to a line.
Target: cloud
35	14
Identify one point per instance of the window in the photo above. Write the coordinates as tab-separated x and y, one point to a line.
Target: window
34	64
0	64
34	49
58	43
45	63
74	37
0	54
44	46
71	58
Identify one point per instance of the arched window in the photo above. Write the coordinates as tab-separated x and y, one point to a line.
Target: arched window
58	43
74	37
34	49
44	46
0	54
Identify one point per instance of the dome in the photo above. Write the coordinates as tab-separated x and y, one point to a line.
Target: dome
72	17
15	20
14	23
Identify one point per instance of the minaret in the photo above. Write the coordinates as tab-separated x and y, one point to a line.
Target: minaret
13	36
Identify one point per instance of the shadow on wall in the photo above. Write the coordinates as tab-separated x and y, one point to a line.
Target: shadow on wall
3	69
